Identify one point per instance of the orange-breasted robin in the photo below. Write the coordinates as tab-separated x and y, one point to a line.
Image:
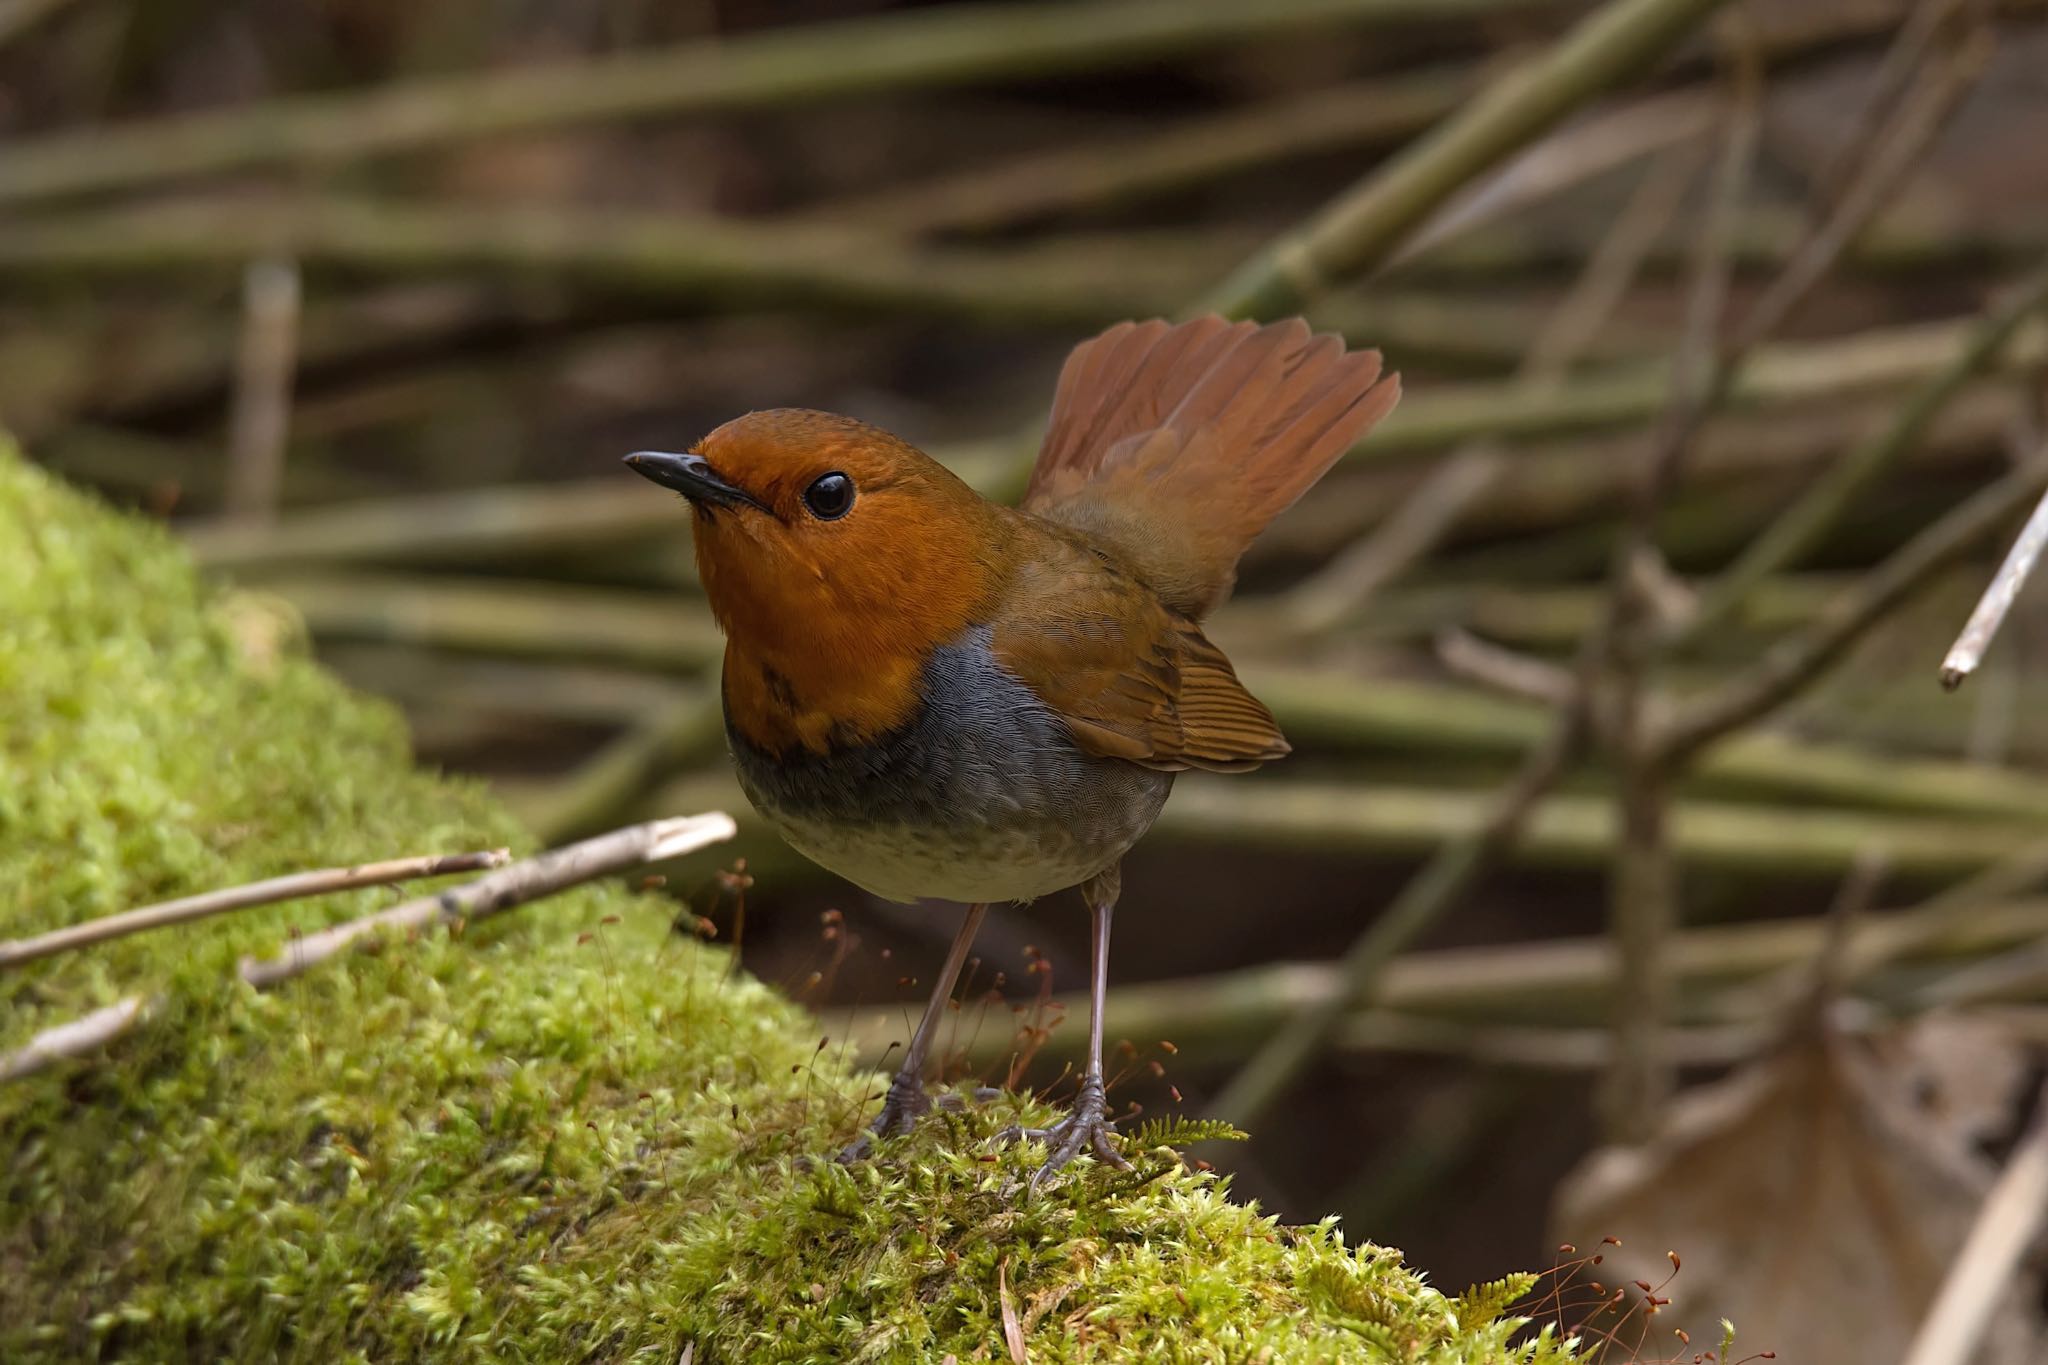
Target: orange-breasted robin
934	695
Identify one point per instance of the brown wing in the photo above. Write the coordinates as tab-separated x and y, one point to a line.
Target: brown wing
1132	678
1176	445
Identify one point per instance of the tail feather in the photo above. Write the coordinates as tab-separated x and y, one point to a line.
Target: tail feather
1177	445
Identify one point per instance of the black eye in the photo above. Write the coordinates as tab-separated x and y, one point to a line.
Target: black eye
830	496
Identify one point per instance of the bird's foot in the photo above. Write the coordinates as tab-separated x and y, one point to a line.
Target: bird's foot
1087	1127
902	1107
906	1103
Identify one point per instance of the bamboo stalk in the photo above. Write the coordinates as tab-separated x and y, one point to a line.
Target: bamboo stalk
1223	1016
704	261
1361	228
546	620
777	68
1577	830
296	886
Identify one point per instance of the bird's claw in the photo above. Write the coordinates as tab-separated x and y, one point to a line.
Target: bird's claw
1087	1127
902	1107
906	1103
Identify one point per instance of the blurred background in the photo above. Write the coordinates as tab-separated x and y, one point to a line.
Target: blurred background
1632	876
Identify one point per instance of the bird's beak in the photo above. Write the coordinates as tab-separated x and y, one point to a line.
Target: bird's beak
693	477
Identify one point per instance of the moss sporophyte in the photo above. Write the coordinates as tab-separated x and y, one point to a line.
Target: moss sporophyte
508	1145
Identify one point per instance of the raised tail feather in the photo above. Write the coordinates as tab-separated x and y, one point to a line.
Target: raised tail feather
1177	444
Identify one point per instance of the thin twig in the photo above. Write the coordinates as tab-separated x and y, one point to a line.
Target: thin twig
296	886
1643	890
1979	1278
1922	113
77	1038
1503	670
510	886
261	418
1968	650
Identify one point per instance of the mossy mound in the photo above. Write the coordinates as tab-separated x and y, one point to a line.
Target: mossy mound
570	1134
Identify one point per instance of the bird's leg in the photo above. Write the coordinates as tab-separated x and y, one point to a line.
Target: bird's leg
1087	1126
906	1099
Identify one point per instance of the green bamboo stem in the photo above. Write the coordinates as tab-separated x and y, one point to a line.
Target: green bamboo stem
709	262
445	528
1360	229
1572	832
486	689
1873	361
926	49
648	630
1576	830
1223	1017
1320	708
460	527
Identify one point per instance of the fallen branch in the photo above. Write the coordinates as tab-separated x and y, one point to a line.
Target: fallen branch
296	886
523	881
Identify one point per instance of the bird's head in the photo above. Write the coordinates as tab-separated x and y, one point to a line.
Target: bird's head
835	557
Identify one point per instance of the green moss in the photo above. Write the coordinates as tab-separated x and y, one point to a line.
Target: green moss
569	1135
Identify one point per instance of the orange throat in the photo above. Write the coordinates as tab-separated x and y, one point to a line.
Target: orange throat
821	655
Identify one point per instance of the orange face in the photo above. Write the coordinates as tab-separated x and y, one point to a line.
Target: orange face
835	557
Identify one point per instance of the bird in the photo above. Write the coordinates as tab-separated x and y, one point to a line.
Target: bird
940	697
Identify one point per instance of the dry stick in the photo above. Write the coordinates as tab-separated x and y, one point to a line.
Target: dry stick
1503	670
927	49
296	886
79	1037
523	881
1643	891
1976	1287
1791	665
260	421
1968	650
1360	229
509	886
1337	591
